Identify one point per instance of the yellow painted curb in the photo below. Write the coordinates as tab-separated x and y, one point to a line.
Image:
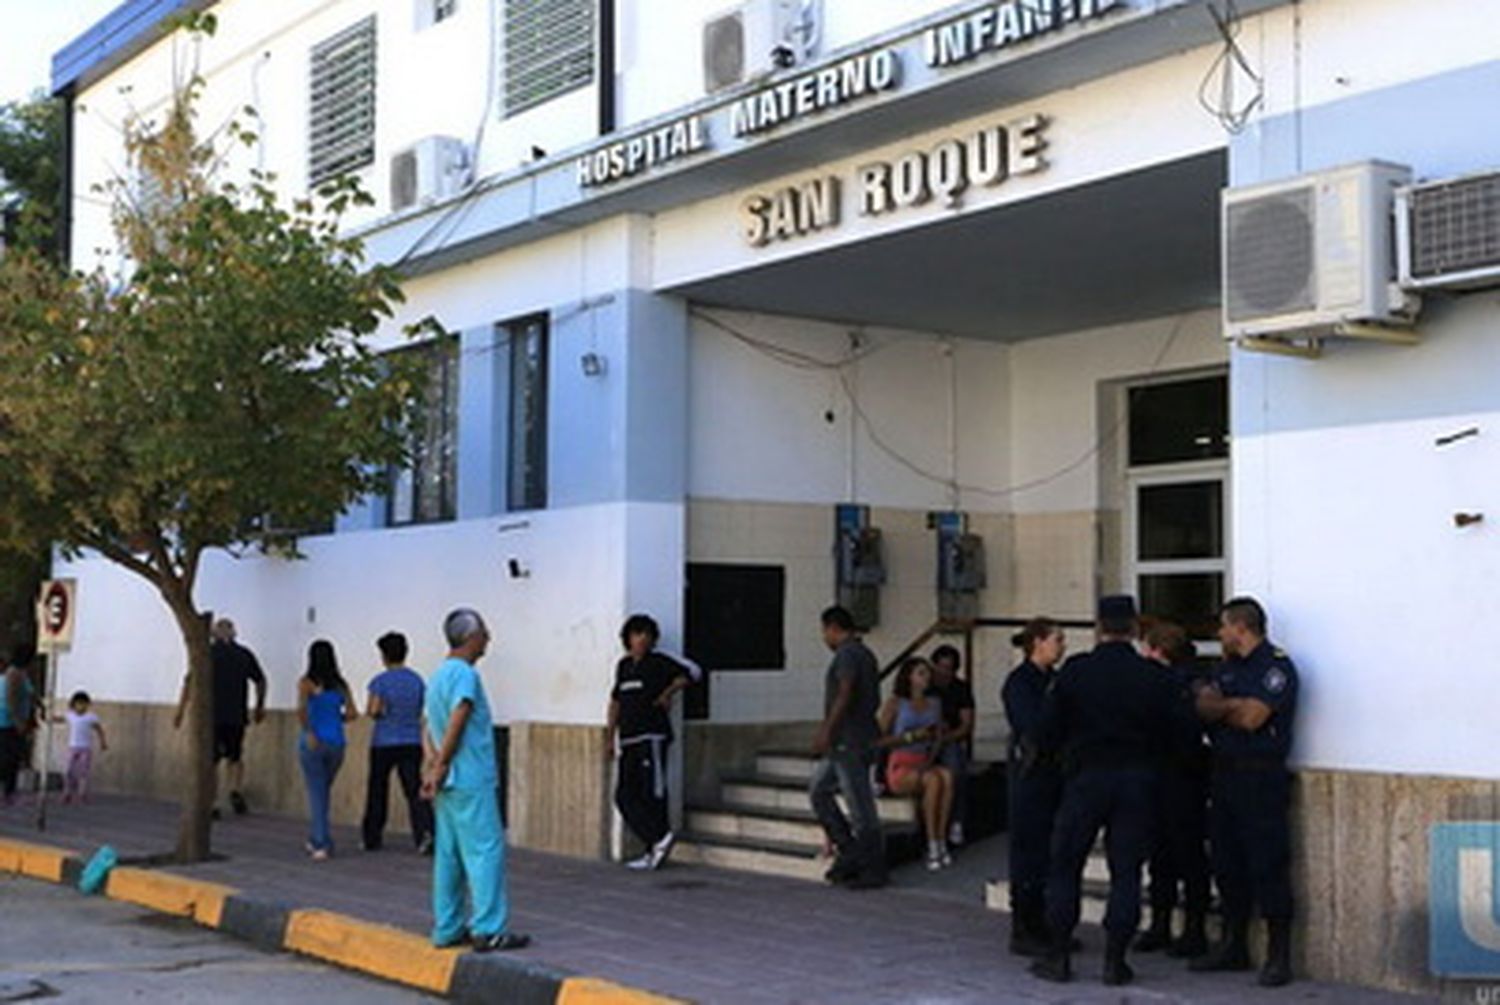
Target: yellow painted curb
161	891
34	860
373	949
593	991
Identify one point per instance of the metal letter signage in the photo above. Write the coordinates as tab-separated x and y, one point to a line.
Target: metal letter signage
56	614
943	172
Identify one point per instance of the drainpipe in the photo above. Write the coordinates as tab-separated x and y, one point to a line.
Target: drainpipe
607	39
65	190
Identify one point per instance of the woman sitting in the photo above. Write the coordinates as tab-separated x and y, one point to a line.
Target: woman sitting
911	722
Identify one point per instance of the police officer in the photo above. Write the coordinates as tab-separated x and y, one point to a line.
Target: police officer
1180	855
1250	710
1112	711
1034	783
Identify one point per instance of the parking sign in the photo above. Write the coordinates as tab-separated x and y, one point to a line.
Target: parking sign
57	611
1465	928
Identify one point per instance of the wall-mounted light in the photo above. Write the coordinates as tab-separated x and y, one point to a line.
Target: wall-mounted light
517	570
593	364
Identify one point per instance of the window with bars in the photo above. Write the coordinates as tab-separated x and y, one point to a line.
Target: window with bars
526	477
427	490
341	124
547	50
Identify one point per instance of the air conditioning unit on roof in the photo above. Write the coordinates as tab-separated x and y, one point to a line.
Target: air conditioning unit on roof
756	38
1448	233
428	170
1314	256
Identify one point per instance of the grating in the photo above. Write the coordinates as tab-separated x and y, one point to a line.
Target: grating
1455	226
1269	255
547	50
341	124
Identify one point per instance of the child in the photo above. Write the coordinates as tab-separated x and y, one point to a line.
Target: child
82	725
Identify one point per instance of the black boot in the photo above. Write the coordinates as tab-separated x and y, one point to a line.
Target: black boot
1229	954
1028	930
1278	969
1159	935
1193	942
1116	970
1055	965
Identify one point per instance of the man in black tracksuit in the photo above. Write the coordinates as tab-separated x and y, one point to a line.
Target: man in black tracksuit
1112	711
640	718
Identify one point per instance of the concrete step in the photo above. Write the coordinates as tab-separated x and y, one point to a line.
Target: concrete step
791	765
770	792
788	859
1091	907
758	824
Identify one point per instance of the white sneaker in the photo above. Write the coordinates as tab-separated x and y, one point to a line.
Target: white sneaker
661	850
641	864
947	859
934	862
956	834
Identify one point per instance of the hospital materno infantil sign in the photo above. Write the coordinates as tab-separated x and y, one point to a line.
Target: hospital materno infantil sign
990	28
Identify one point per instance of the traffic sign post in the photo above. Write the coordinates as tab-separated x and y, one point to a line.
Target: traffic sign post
56	615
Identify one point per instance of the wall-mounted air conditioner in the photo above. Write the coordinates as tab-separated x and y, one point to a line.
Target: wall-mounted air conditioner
428	170
1314	256
758	37
1448	233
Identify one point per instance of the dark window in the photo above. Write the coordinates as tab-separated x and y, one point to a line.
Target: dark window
1186	420
547	51
736	616
1181	521
1192	599
341	125
426	491
526	480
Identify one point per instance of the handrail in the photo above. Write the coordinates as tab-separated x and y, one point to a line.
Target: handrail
966	629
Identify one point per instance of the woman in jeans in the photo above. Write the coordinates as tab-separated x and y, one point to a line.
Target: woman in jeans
323	706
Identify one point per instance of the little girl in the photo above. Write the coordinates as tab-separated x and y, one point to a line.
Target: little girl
82	725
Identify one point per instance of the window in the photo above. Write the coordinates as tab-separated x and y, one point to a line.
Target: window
526	475
426	491
547	50
341	126
1178	483
736	616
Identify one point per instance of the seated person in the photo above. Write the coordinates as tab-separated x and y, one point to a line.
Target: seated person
911	724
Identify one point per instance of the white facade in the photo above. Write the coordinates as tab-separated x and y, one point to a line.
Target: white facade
1341	509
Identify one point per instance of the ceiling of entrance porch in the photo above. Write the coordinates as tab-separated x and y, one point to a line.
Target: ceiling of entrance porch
1135	246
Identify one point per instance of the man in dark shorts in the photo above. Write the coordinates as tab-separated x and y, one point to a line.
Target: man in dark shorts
234	669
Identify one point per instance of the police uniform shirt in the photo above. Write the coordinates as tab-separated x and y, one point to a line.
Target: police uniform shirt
1268	675
638	688
1111	708
1024	696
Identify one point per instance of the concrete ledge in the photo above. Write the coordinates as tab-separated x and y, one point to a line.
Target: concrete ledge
493	978
35	860
161	891
373	949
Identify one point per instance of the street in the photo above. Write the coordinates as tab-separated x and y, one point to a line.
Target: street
57	944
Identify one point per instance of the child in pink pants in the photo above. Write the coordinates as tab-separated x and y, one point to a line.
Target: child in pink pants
82	726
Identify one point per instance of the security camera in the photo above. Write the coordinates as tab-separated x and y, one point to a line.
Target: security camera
783	57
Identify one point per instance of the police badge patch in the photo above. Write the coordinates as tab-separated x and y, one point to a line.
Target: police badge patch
1275	680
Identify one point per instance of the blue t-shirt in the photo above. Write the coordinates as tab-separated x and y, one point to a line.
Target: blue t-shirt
325	717
473	764
400	691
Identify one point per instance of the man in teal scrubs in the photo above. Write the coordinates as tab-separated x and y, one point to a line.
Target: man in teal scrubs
459	776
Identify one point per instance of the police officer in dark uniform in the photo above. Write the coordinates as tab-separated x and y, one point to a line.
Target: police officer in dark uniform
1250	710
1034	783
1180	855
1112	711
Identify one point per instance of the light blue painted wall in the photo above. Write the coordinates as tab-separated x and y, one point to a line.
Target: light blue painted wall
1440	126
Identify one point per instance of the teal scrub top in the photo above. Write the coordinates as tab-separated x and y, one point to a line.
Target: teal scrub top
473	764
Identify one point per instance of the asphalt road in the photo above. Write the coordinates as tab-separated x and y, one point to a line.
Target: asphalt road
56	945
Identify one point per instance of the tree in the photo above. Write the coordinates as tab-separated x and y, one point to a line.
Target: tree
31	170
219	386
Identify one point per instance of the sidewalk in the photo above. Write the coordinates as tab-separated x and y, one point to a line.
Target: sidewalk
690	932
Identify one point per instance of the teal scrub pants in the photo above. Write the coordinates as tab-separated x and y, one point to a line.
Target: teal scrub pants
469	851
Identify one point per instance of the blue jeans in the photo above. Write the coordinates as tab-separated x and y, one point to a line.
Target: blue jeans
469	852
319	768
848	771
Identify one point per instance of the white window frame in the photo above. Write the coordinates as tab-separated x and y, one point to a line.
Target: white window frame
1138	477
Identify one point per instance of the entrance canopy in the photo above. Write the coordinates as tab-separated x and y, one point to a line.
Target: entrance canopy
1134	246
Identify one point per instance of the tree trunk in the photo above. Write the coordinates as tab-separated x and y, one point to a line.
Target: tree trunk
198	773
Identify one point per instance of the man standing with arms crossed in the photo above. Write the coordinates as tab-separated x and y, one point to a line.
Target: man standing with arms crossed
460	777
1250	709
844	742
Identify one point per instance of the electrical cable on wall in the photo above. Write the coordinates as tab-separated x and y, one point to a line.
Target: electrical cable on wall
1219	92
802	361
